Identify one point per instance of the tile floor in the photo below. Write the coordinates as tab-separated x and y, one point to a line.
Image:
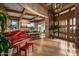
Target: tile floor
53	47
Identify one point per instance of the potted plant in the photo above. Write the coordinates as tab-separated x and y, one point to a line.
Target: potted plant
53	29
4	43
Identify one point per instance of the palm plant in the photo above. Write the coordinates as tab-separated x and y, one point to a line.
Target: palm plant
53	29
3	41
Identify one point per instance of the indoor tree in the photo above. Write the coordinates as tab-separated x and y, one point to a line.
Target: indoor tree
4	43
53	29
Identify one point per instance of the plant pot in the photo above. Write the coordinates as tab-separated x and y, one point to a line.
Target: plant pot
8	53
4	53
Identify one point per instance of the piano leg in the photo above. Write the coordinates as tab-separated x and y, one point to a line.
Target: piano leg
10	52
18	49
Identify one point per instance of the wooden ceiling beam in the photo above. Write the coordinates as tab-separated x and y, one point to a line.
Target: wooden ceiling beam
23	12
33	18
26	18
31	14
65	9
18	17
38	20
11	10
13	17
27	12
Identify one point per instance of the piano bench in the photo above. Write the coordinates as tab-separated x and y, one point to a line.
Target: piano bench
26	47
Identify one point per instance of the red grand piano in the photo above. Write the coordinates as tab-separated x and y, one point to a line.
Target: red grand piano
17	38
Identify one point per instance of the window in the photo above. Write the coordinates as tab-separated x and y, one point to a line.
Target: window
71	21
13	24
70	30
41	27
65	29
31	27
30	24
70	37
74	21
74	29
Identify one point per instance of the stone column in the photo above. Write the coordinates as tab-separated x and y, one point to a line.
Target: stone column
47	28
